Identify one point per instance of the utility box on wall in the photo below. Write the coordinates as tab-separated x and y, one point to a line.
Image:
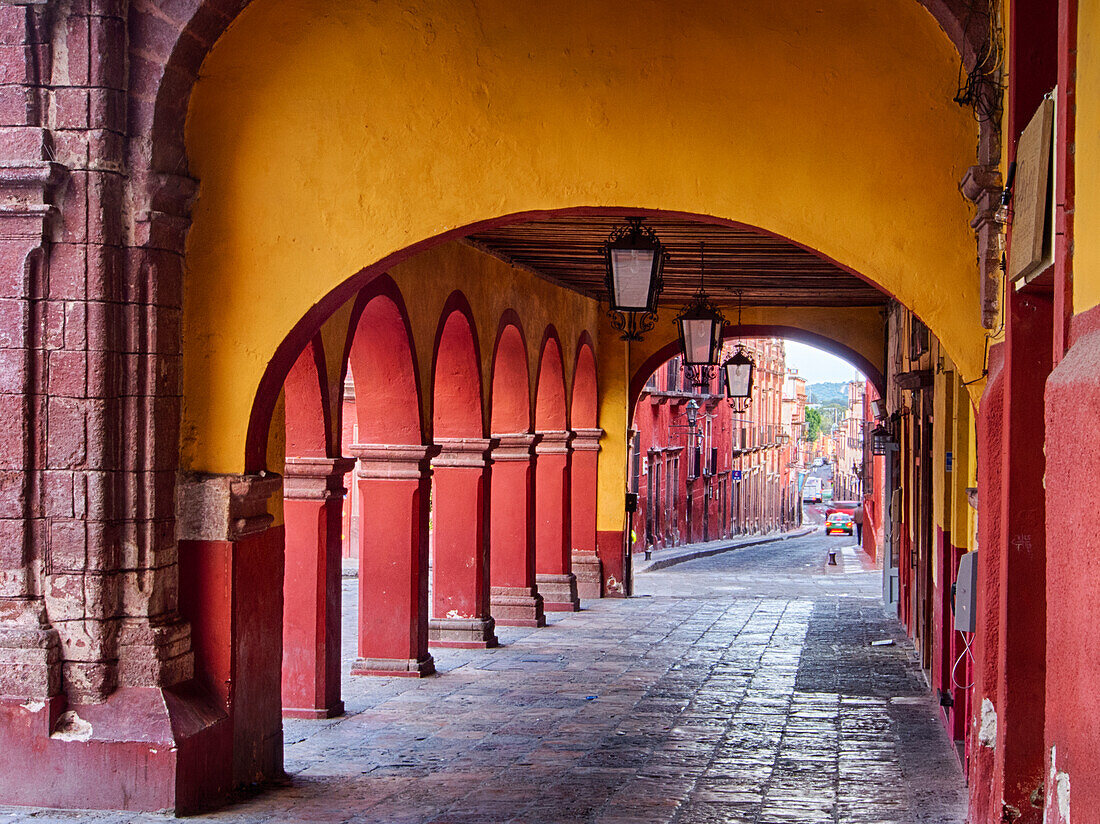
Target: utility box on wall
966	593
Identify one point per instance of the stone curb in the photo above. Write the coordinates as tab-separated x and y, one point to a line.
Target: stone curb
692	555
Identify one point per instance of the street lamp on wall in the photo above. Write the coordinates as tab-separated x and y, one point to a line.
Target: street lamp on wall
635	261
882	441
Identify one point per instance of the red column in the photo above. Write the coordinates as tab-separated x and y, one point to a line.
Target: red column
313	499
1022	640
460	595
514	598
394	489
231	585
553	561
586	563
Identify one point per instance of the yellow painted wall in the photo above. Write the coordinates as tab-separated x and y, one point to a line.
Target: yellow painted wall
326	138
1086	229
612	364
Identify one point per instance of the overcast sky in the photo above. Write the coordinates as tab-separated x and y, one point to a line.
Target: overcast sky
817	366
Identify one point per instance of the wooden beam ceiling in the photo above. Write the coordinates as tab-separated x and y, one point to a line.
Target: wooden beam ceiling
770	271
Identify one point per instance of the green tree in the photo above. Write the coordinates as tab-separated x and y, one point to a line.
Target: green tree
813	424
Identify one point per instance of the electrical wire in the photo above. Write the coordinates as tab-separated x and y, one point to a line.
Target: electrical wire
966	652
980	88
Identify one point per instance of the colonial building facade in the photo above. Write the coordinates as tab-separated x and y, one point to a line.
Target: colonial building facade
703	471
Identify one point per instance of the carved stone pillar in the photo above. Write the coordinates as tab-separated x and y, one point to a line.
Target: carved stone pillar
394	490
982	186
460	521
514	599
30	652
312	508
553	559
583	495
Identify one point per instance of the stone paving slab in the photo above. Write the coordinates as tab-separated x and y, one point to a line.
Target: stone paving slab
739	688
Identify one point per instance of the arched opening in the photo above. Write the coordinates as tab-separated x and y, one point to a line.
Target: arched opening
394	489
172	385
515	597
313	495
228	255
584	472
460	487
553	560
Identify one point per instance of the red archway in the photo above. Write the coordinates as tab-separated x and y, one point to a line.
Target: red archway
583	417
394	488
313	493
460	595
553	562
514	598
308	411
510	400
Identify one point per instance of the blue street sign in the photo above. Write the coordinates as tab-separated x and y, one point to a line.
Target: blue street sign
736	474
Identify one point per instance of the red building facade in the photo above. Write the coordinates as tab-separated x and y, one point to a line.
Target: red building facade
726	474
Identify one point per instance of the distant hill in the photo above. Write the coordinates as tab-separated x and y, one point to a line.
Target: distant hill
828	393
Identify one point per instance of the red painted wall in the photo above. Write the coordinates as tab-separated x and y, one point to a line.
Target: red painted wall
1072	713
711	505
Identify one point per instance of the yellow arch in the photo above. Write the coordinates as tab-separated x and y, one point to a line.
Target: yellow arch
327	138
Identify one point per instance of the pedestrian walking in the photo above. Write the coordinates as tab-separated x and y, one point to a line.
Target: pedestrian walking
857	517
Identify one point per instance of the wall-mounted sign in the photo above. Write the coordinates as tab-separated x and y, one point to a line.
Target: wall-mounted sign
947	461
1033	198
735	474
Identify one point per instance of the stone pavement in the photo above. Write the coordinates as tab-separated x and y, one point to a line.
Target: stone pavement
670	556
738	688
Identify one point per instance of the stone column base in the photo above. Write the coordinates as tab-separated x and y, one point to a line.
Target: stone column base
462	633
589	572
399	667
144	748
559	592
314	714
517	607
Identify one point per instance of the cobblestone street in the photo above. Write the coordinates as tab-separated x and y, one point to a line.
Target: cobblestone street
737	688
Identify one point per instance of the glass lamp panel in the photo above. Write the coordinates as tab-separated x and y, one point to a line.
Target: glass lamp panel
716	344
698	336
738	379
631	278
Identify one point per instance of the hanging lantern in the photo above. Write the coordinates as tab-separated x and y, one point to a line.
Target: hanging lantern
635	260
739	369
700	325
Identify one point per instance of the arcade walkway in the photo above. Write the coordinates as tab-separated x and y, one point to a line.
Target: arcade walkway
738	688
